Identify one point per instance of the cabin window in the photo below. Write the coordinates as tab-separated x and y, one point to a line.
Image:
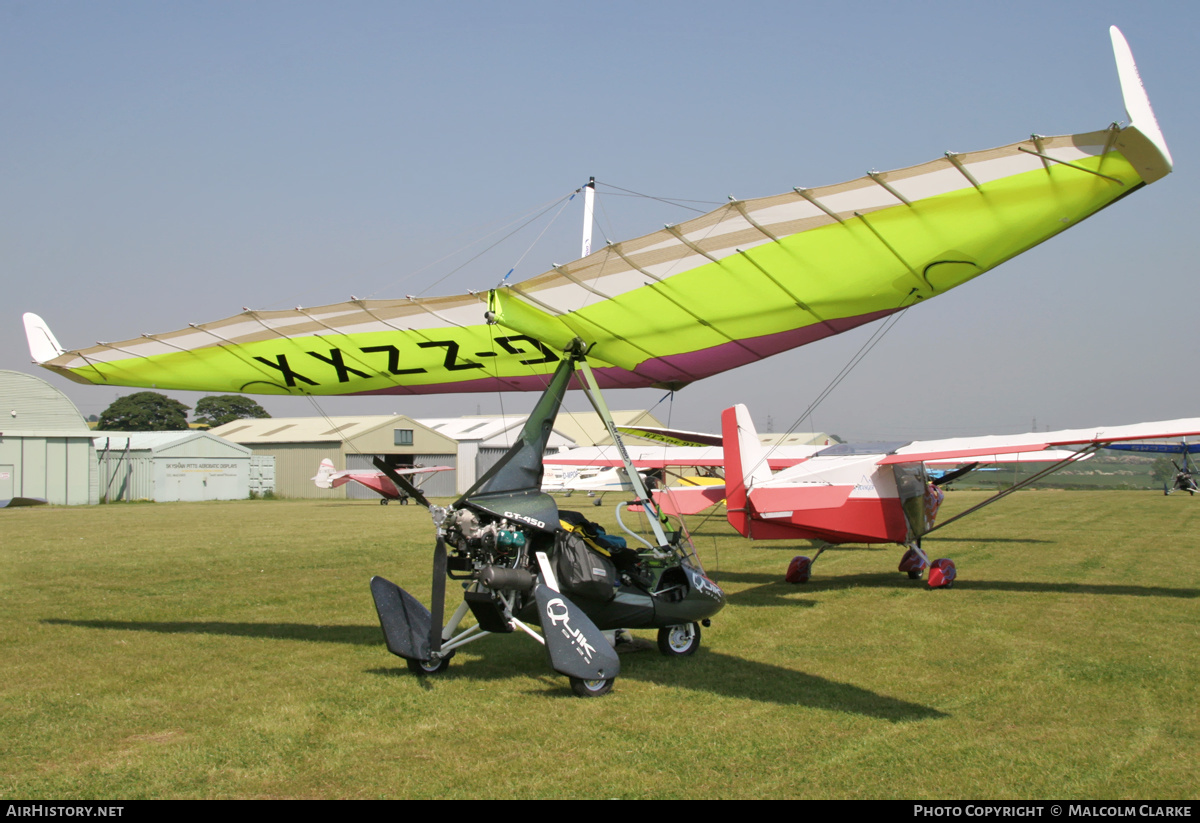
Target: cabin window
403	437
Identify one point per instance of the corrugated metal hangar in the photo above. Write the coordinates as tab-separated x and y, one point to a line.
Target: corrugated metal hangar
45	444
171	465
299	444
47	451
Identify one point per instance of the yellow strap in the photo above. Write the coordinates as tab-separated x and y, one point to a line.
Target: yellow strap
591	543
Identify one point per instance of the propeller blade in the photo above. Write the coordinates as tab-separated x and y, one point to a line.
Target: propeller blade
949	477
438	612
401	483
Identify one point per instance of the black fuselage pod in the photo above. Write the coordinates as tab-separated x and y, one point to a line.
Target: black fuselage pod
683	595
575	645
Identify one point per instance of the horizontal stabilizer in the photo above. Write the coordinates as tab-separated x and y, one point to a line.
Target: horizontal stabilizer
681	501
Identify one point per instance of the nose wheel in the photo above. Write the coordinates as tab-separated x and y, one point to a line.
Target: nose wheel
591	688
429	667
679	641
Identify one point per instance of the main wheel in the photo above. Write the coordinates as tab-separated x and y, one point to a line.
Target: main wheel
591	688
679	641
426	667
915	574
383	501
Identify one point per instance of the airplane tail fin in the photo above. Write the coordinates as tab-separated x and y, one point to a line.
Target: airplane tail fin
324	474
42	344
745	464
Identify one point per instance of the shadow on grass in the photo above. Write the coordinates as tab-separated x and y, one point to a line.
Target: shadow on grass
771	588
731	676
956	539
711	672
354	635
842	548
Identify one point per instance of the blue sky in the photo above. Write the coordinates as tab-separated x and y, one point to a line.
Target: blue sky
168	163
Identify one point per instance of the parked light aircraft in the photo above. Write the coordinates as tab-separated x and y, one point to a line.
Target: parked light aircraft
526	562
1185	475
744	282
848	494
328	477
683	493
594	481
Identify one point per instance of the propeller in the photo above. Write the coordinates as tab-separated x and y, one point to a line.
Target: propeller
954	475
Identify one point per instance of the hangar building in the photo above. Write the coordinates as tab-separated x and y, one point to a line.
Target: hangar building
174	465
470	444
299	444
45	445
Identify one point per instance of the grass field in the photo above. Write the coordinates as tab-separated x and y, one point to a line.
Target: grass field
214	650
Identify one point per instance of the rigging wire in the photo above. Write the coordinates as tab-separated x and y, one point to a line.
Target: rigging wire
851	364
876	336
459	247
537	239
484	251
668	200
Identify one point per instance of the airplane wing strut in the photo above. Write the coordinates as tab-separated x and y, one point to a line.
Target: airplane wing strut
1051	469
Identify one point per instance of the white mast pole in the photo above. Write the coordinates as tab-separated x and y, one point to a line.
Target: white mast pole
589	198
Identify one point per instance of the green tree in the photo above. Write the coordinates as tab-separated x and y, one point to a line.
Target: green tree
145	411
217	410
1163	470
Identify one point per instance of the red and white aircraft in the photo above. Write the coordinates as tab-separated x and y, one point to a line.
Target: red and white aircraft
701	455
677	494
847	494
328	477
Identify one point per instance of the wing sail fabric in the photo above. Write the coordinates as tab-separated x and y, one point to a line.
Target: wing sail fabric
746	281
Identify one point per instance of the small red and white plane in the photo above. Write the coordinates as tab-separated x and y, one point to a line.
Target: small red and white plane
846	493
328	477
874	494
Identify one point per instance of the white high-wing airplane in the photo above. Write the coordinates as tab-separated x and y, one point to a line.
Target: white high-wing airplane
849	494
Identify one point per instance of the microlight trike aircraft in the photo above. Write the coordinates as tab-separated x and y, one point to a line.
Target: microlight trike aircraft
874	494
526	562
1185	475
744	282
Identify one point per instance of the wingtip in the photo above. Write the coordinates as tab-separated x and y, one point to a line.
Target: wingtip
43	346
1141	115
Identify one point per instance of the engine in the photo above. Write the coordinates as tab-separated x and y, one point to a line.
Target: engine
479	540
